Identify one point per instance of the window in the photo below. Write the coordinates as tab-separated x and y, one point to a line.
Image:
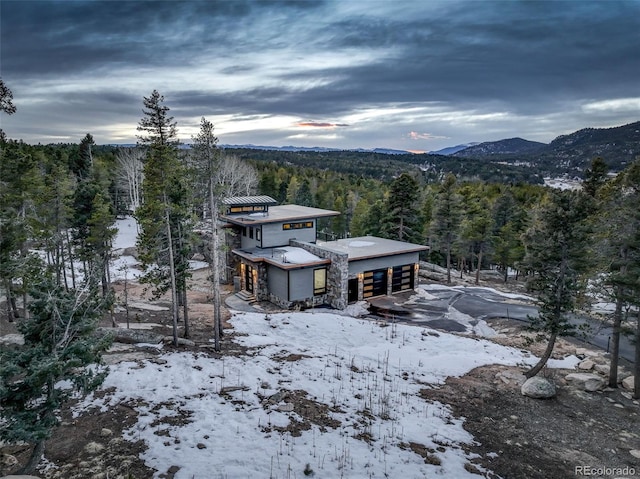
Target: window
297	226
244	231
251	233
247	209
319	281
258	231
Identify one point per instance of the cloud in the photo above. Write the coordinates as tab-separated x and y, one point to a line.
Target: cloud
467	70
414	135
316	124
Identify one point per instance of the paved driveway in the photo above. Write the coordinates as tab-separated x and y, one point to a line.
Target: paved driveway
463	309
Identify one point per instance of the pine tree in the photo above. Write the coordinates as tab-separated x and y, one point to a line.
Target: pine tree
6	104
206	161
446	218
59	345
225	176
557	257
401	219
619	228
163	215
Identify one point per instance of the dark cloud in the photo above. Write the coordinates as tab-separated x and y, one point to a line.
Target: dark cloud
320	60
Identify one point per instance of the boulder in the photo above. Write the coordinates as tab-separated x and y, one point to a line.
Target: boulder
538	388
586	365
628	383
131	336
587	381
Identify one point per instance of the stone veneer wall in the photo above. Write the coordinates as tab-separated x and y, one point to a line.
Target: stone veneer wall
232	240
337	272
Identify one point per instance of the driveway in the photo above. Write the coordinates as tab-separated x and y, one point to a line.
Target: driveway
464	309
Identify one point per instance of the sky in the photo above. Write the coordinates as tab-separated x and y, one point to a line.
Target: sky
412	75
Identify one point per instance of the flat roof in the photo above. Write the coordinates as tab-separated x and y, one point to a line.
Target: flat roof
277	214
365	247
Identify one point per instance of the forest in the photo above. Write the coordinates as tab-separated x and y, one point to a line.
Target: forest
59	202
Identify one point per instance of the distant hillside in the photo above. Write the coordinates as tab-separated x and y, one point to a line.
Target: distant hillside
567	154
511	146
618	146
453	149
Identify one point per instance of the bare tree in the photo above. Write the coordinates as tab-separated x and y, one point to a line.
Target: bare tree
130	175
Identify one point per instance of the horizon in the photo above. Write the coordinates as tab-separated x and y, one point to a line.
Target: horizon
412	76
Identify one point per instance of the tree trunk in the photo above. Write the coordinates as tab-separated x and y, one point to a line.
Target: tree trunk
172	270
215	268
70	251
448	263
636	376
185	311
545	357
615	341
34	459
478	268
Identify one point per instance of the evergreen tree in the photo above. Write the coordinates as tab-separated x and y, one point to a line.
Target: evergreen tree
595	176
358	223
303	195
557	257
163	215
619	229
401	218
6	104
507	220
206	162
476	230
447	218
59	345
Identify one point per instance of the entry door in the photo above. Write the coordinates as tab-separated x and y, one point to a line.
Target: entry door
248	278
353	290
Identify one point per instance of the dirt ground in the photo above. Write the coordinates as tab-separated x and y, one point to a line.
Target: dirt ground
516	437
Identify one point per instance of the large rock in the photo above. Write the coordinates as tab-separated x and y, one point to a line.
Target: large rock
131	336
629	383
587	381
538	388
586	365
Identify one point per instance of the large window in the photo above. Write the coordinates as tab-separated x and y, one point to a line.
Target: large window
297	226
319	281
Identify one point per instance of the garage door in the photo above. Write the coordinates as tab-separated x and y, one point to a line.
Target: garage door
375	283
402	278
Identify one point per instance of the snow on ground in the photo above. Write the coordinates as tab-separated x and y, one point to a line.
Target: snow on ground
127	234
368	375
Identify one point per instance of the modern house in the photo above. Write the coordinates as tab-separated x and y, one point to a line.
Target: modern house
278	258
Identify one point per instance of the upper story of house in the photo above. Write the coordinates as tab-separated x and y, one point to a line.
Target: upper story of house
262	224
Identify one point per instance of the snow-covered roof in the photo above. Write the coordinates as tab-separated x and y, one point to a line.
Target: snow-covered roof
365	247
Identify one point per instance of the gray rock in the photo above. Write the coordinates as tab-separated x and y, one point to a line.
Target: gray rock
587	381
12	340
635	453
131	336
286	407
94	448
538	388
629	383
181	341
586	365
